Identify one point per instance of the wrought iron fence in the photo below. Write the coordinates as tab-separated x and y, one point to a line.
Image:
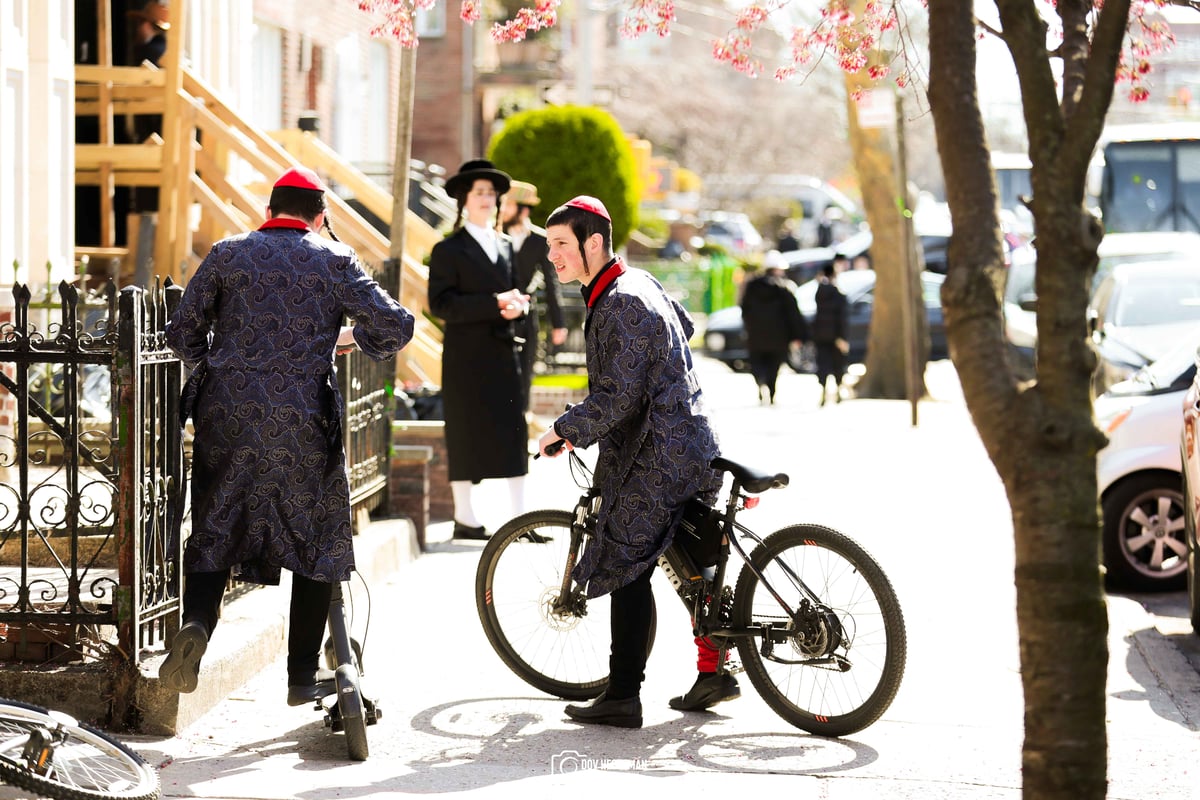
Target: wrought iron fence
367	389
92	469
87	478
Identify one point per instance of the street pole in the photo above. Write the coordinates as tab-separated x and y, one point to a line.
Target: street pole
908	311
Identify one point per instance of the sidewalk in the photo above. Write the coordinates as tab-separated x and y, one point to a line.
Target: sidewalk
458	722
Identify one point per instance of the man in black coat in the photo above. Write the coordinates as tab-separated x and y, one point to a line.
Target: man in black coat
773	323
533	271
829	329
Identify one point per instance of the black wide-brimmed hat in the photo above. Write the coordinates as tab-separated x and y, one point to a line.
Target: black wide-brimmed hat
479	169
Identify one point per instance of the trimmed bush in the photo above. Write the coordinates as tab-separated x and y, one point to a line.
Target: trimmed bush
567	151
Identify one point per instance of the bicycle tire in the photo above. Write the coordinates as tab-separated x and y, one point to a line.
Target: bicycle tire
87	765
867	630
516	583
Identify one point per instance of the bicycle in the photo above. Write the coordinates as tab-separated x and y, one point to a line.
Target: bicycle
350	711
815	621
53	754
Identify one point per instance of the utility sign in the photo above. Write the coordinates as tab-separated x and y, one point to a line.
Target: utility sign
876	109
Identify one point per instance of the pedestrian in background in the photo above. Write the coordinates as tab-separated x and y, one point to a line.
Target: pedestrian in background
772	321
787	238
534	272
258	324
644	410
473	289
829	332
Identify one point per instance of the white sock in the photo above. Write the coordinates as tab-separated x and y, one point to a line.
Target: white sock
516	491
464	507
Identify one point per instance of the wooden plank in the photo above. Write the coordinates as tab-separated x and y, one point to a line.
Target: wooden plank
223	213
127	76
185	170
211	126
89	92
173	191
119	156
317	155
228	194
91	177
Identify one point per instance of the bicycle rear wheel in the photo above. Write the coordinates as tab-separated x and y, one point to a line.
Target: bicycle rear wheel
82	763
830	670
519	578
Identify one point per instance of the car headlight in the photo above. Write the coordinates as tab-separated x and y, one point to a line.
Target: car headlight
715	341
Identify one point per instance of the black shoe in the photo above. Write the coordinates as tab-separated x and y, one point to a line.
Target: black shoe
709	689
310	687
467	532
602	711
535	537
180	672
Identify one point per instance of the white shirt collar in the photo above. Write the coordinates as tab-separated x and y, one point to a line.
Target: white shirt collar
486	238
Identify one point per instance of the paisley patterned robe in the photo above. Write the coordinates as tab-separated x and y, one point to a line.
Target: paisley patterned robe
258	323
644	409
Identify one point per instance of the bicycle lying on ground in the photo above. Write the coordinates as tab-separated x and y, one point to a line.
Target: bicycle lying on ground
50	753
814	619
346	707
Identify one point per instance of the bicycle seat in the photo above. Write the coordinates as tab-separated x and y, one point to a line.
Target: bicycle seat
750	479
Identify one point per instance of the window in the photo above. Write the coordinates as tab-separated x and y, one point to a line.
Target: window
431	22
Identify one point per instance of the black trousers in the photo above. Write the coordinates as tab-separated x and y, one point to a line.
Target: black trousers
202	593
830	362
764	366
630	623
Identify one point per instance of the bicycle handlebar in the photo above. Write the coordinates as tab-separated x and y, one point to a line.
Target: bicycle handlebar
552	448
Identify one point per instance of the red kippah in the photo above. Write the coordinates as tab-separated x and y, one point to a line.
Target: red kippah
301	178
589	204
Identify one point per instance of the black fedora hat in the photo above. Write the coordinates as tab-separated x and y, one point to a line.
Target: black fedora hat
479	169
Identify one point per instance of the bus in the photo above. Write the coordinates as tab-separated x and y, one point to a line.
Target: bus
1146	177
1012	183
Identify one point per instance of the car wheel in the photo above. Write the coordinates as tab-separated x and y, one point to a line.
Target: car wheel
1145	548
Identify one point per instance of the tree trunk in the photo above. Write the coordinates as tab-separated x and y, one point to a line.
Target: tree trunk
874	163
403	153
1040	436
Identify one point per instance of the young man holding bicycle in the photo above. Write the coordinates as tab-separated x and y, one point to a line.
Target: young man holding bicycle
655	449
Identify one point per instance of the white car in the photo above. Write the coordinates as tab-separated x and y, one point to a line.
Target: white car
1139	474
1020	299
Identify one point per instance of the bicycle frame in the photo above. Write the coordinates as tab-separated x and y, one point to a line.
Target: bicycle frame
695	592
706	614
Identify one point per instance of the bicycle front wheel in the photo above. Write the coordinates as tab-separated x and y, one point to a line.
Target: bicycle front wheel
518	582
77	762
833	666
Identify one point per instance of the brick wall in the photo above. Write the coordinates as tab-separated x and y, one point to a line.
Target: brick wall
408	474
438	100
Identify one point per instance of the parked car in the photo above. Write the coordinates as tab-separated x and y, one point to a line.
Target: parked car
1189	446
1139	473
1139	311
734	232
807	263
725	336
1020	296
